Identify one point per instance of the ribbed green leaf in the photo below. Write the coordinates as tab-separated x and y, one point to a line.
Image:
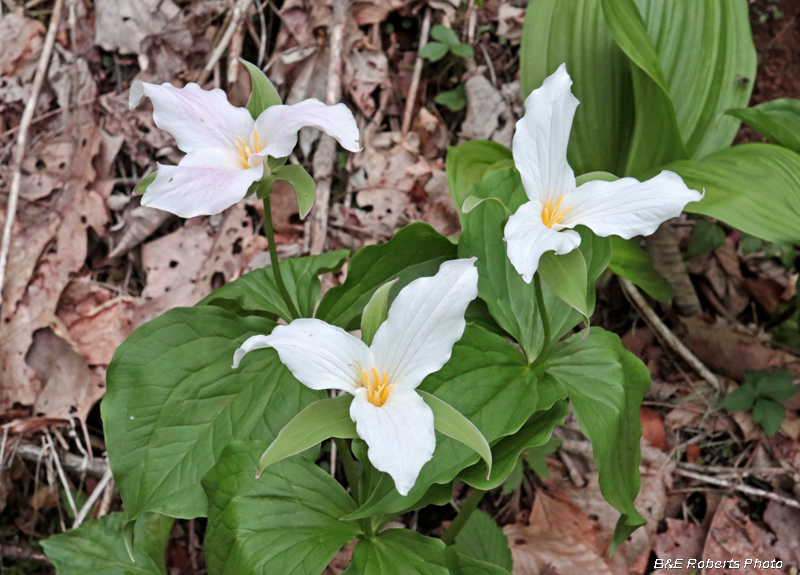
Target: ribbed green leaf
778	121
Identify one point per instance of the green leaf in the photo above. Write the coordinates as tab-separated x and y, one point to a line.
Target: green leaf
565	275
467	164
778	121
141	187
706	236
444	35
752	188
741	399
514	479
263	94
461	564
450	422
595	176
302	182
319	421
463	50
97	547
399	552
454	99
287	522
536	432
630	261
534	457
472	202
257	292
434	51
777	386
376	311
173	403
416	250
606	385
482	539
769	415
655	112
574	32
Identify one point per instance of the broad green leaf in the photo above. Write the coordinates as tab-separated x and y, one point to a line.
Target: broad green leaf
753	188
487	380
481	538
451	423
302	182
595	176
630	261
741	399
537	431
461	564
777	120
565	275
575	32
454	99
708	60
463	50
376	311
434	51
444	35
467	163
416	250
141	187
263	94
606	385
534	457
287	522
777	386
319	421
399	552
257	291
97	547
472	202
173	403
769	415
655	112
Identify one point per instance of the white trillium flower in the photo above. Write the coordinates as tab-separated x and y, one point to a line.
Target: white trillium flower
625	207
226	150
424	322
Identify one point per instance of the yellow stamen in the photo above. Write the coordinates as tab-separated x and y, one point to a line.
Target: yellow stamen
244	151
376	385
550	213
255	137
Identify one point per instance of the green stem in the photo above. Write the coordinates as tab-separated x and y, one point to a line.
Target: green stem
349	466
463	516
273	256
537	284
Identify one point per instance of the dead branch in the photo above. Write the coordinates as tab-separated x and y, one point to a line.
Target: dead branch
239	10
71	462
754	491
412	91
667	261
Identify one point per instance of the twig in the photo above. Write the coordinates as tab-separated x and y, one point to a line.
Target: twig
105	503
677	345
101	487
62	477
739	471
262	44
239	9
755	492
412	91
325	158
95	468
10	551
574	475
22	139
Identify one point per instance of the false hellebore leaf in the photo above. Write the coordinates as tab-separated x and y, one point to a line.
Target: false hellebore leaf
424	322
625	207
226	150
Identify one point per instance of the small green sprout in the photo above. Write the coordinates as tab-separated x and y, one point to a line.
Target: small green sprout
445	41
765	394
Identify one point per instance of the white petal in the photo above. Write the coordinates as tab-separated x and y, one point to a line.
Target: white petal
399	434
541	138
205	182
425	320
627	207
319	355
196	118
528	238
277	126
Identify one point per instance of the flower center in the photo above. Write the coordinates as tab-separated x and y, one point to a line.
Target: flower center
550	213
244	149
377	387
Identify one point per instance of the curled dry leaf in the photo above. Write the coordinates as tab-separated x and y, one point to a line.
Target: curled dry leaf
365	71
509	23
534	550
122	27
488	114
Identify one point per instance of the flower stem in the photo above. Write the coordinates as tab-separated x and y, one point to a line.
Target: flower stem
273	256
463	516
537	284
349	466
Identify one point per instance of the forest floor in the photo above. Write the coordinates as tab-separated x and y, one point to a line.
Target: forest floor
88	265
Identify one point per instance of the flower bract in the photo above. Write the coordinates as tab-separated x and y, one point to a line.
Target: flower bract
625	207
424	322
226	150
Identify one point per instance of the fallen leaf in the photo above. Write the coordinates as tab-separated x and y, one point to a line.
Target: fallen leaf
653	428
122	27
534	550
488	115
680	540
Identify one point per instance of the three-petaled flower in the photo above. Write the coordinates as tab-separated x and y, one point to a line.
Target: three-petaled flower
424	322
226	150
625	207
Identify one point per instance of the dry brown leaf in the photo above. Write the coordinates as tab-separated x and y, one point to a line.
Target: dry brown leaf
366	12
785	524
534	550
558	514
121	27
365	71
19	58
653	428
137	224
681	540
509	23
488	114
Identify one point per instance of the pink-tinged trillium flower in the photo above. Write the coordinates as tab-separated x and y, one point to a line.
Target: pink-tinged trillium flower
226	150
424	322
625	207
